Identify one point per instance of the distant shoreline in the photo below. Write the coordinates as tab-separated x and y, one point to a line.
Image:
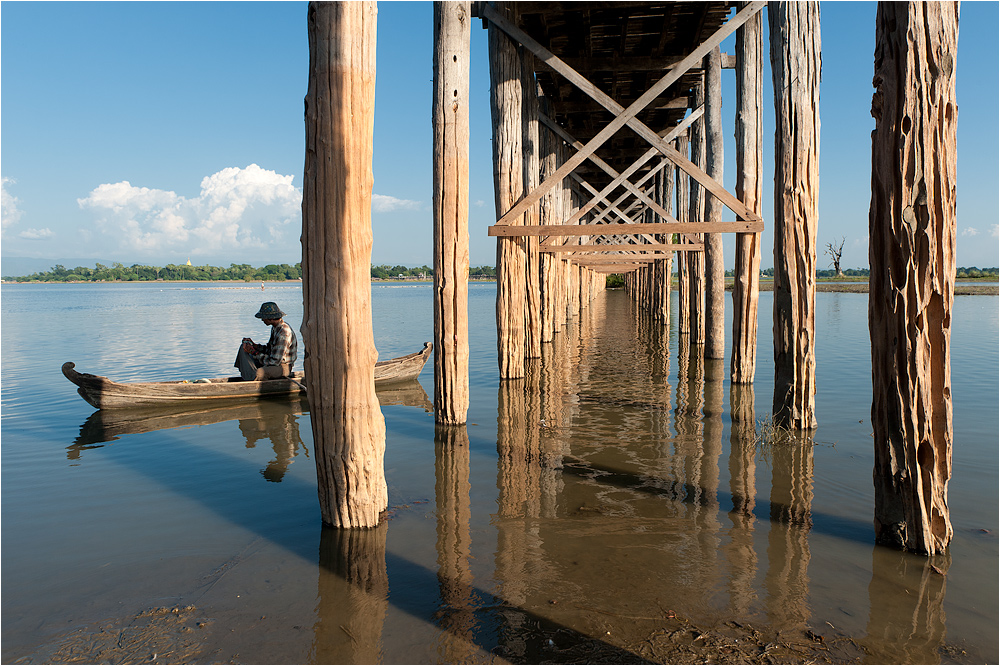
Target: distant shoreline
963	286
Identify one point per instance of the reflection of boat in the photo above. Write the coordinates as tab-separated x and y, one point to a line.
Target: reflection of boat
104	393
107	425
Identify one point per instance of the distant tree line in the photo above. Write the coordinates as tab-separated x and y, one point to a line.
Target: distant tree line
118	272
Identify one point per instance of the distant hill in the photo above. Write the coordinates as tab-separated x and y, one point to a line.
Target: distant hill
21	266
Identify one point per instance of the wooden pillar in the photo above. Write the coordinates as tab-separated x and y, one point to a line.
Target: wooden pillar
715	268
664	196
912	258
529	163
749	179
795	68
347	423
505	108
683	283
450	120
696	213
547	215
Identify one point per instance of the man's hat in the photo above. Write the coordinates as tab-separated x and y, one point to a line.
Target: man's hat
269	310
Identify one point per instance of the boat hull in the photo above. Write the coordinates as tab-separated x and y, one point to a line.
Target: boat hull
104	393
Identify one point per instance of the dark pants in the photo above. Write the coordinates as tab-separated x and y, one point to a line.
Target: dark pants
250	370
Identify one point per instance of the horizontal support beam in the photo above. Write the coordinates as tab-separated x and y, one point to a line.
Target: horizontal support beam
612	261
507	230
635	247
612	270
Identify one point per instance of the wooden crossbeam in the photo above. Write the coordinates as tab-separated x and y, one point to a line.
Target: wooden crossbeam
625	116
568	138
648	155
632	64
612	261
614	268
605	229
592	191
598	248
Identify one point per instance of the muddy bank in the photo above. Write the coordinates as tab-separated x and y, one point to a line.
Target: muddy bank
185	635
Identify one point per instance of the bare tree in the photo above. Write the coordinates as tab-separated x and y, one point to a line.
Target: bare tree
835	251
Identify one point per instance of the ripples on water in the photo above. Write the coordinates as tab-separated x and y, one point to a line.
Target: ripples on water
614	486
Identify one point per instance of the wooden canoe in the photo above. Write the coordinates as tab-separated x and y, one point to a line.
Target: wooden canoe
104	393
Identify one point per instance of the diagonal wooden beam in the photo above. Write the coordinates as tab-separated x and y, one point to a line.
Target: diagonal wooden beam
608	169
740	227
648	155
592	191
623	116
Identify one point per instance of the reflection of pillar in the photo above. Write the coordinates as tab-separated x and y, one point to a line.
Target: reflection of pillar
708	525
788	555
906	620
454	543
740	552
352	598
682	418
518	561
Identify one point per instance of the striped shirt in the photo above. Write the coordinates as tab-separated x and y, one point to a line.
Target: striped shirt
281	348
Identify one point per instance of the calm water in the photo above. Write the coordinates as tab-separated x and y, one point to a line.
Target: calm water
608	490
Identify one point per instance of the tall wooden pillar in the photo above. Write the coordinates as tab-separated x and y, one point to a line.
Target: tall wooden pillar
665	196
683	270
749	179
529	162
450	120
547	215
348	428
912	257
715	268
696	213
795	68
508	185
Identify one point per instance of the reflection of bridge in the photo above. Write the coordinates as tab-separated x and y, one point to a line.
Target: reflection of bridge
607	137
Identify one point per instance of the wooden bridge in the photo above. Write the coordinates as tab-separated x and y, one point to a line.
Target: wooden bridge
607	155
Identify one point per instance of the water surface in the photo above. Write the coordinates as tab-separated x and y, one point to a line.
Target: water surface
617	485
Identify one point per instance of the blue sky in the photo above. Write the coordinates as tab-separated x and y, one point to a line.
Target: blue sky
155	132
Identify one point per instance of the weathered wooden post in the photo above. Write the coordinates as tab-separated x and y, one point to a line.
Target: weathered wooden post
450	120
505	108
696	213
347	423
665	196
530	165
795	69
715	267
547	215
749	179
912	257
683	271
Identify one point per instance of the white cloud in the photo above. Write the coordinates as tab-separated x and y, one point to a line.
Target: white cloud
383	203
969	231
9	211
237	209
479	203
36	234
995	230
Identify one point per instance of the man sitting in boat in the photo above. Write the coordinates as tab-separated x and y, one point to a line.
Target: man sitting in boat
276	358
